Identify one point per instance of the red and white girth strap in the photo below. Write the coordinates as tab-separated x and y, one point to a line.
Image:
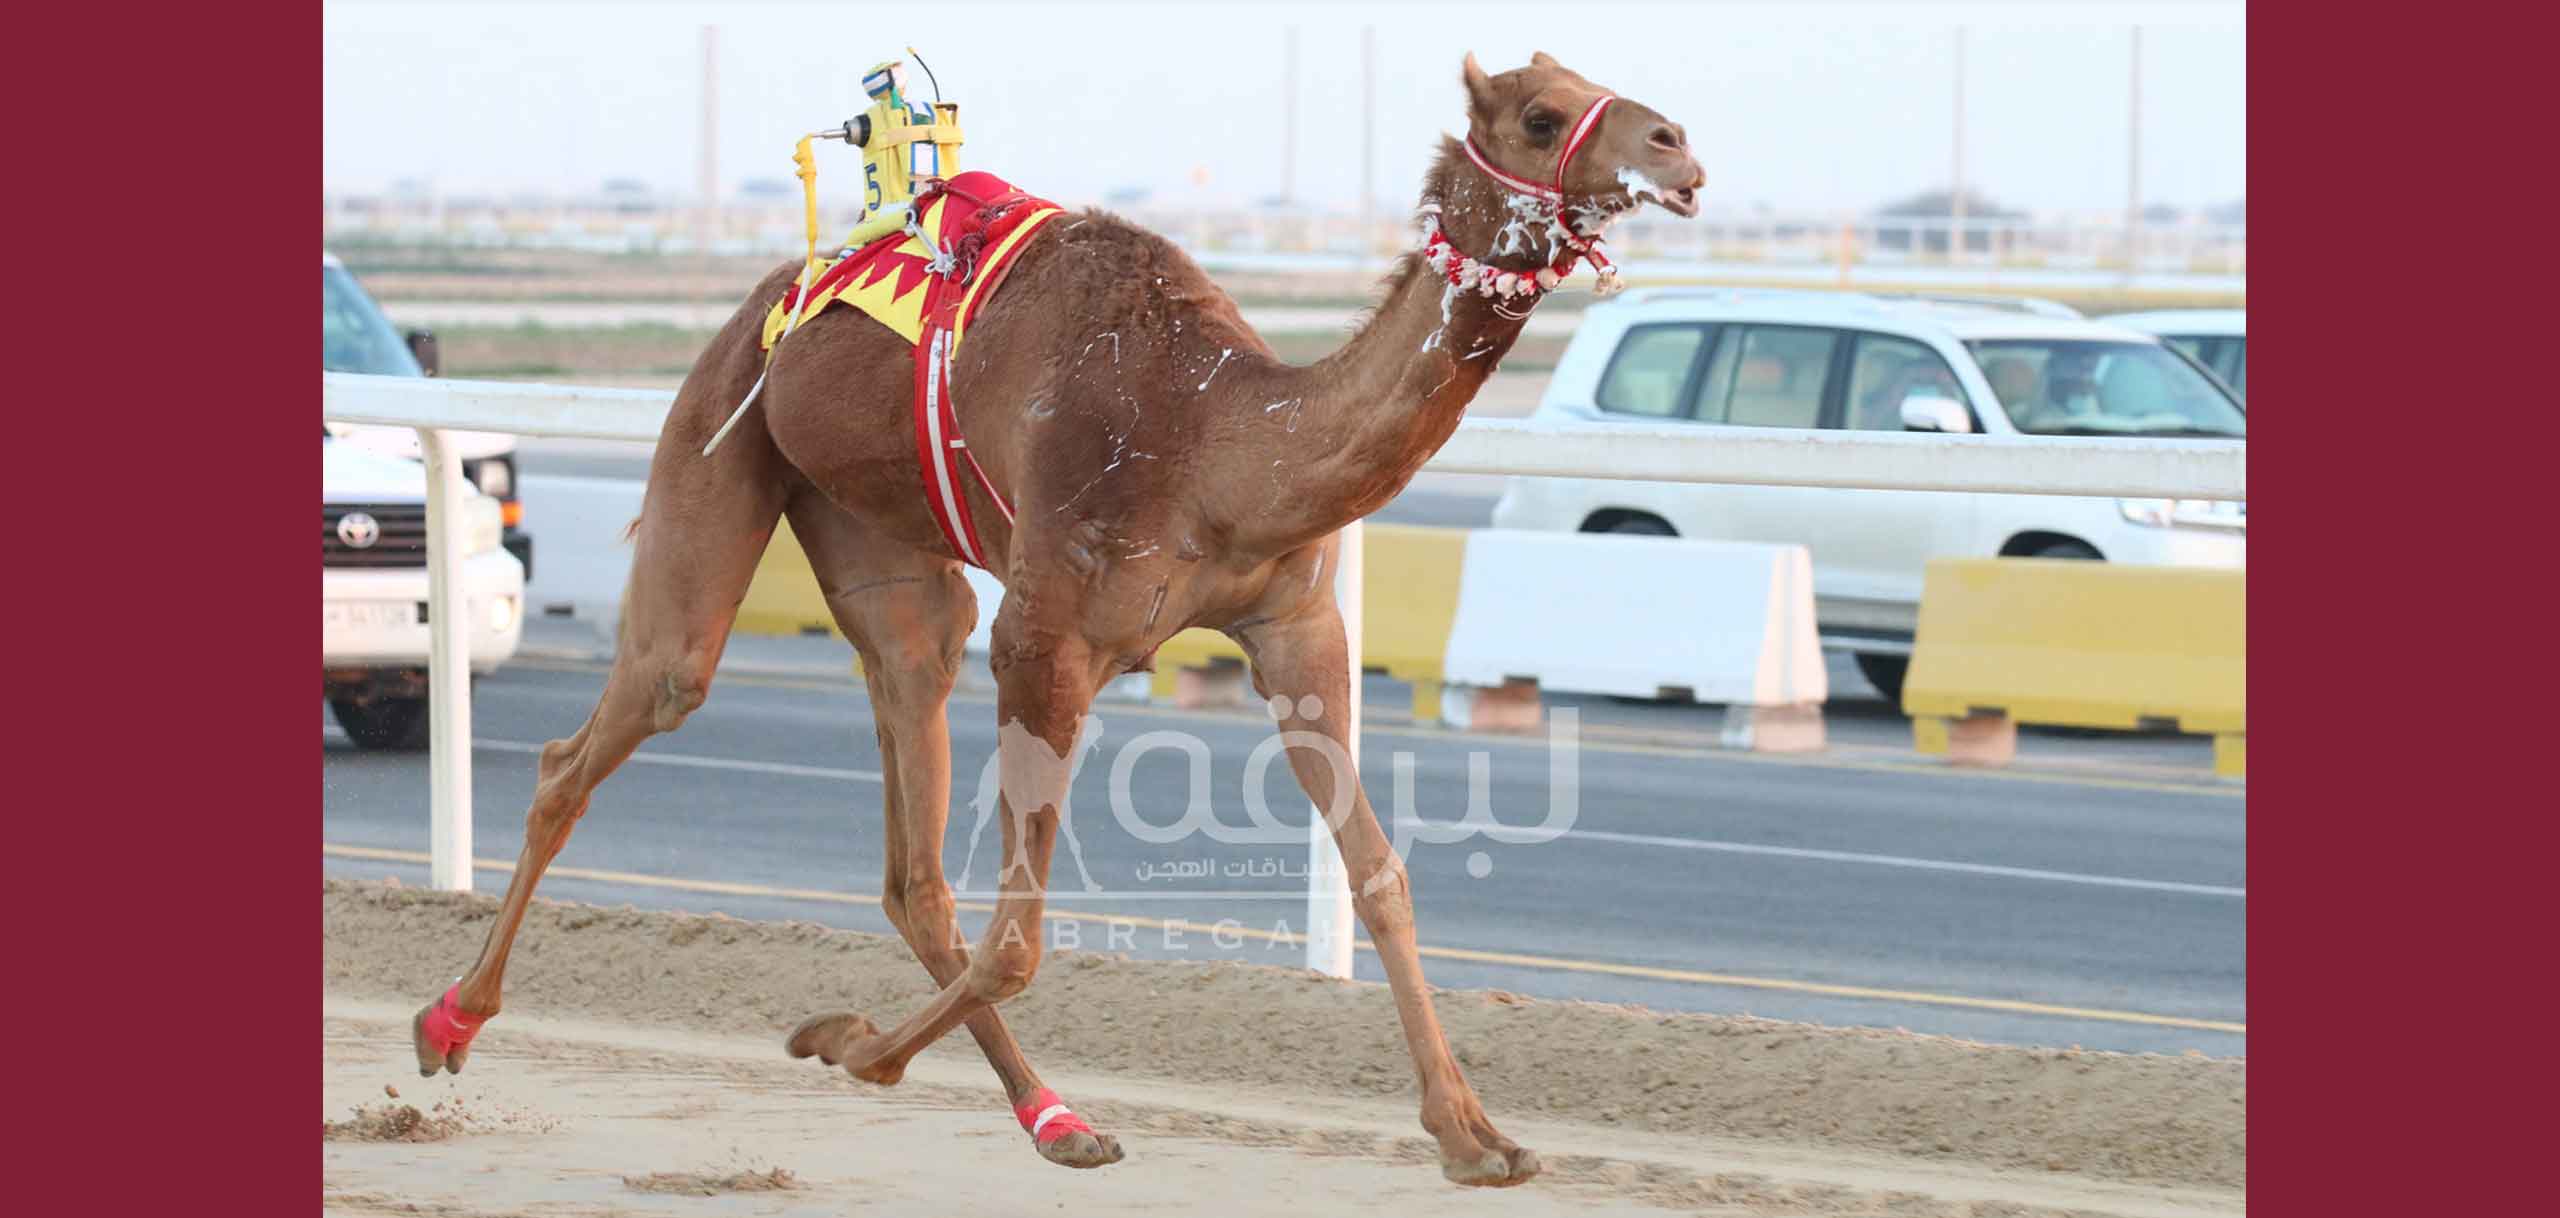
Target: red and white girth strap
938	435
1553	193
937	422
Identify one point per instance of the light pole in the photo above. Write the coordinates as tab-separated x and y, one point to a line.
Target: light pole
2133	170
1368	136
1955	235
706	227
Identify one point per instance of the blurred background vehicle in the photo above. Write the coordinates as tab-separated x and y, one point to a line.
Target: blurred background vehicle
1714	357
373	593
2217	338
356	337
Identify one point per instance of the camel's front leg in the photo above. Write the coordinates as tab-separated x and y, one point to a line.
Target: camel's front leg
1304	659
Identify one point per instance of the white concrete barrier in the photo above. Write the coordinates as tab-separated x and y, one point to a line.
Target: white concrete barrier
1729	622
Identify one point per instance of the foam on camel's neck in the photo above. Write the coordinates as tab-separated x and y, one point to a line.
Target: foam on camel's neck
1375	410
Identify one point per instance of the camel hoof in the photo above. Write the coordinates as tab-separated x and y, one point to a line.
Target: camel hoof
1083	1150
828	1037
429	1059
1493	1168
878	1071
838	1040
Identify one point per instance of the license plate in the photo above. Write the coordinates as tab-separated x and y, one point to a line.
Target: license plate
367	614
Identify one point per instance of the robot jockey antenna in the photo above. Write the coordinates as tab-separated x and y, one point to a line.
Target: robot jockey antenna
907	145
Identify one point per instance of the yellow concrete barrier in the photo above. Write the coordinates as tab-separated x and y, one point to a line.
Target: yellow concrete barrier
1409	599
2092	644
784	599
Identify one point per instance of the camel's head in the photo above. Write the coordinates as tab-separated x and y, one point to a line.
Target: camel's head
1524	119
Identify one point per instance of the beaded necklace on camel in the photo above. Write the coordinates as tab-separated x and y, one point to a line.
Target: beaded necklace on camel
1514	293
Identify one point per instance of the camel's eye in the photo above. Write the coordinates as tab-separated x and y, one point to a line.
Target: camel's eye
1540	125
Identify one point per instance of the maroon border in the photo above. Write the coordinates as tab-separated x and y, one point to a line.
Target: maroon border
162	923
166	435
2387	580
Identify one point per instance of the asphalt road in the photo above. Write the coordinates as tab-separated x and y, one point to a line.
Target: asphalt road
1862	887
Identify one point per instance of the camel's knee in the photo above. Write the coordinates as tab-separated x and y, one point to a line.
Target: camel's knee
678	692
560	790
1383	901
1005	967
893	897
926	895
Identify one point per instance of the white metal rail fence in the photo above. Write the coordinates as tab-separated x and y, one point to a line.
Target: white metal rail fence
2146	468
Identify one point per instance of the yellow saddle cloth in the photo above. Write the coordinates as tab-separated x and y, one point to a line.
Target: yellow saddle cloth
887	277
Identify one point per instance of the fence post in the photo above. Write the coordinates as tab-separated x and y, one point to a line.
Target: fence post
1329	917
448	667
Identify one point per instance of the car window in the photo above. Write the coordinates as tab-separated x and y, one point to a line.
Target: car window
2084	387
1768	376
354	335
2227	357
1884	372
1649	374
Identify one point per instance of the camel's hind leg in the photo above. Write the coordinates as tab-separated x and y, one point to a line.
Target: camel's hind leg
909	614
702	528
1045	680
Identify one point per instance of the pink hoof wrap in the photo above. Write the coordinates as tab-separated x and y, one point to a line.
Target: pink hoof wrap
448	1026
1048	1118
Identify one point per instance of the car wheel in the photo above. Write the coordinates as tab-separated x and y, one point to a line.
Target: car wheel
383	723
1885	672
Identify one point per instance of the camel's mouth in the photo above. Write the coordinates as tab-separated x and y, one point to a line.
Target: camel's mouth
1682	202
1642	188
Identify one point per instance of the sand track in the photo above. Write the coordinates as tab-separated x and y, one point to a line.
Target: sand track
641	1044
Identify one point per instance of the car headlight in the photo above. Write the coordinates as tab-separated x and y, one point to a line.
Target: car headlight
486	525
495	476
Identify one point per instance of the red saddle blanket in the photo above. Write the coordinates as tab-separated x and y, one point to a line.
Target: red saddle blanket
977	219
928	288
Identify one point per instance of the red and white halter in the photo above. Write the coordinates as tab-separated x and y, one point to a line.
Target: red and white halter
1523	288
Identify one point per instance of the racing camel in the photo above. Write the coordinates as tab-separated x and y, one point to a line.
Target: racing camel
1166	470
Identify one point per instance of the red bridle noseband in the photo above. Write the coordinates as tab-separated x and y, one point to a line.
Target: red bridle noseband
1582	129
1466	272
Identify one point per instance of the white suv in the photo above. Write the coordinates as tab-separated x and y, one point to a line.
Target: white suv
1721	358
373	593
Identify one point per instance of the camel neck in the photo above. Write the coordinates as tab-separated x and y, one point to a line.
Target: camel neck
1349	431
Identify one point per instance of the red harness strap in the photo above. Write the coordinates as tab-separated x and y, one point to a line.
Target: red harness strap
937	421
1582	129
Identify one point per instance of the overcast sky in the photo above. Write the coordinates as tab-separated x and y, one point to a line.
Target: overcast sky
1810	105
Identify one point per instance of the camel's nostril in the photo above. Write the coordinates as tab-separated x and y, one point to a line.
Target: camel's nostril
1665	138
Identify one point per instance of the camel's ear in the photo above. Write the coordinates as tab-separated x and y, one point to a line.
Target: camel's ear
1540	59
1480	97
